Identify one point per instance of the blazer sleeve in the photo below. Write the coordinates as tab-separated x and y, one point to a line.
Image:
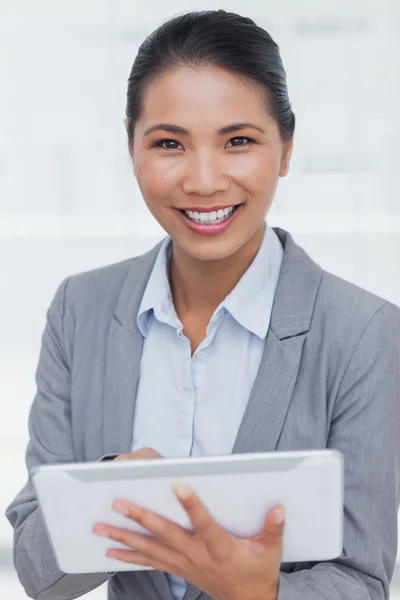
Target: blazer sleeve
365	426
50	441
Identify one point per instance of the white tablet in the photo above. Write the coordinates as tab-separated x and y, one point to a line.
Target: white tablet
238	490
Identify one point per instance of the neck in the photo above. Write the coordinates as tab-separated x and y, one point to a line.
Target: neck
199	286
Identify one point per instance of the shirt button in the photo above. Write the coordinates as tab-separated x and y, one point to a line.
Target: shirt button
200	355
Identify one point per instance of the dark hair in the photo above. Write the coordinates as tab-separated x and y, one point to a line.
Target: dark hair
212	39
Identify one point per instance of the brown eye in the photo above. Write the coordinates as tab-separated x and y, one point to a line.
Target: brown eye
238	141
167	144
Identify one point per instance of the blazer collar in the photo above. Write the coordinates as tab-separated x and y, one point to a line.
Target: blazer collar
294	297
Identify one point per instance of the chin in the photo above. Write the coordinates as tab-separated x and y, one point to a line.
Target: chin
209	250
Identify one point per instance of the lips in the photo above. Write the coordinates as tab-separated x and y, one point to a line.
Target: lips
210	227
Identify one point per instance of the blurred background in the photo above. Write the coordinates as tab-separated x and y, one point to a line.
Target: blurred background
69	201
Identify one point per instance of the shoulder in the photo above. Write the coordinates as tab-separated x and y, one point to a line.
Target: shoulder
99	290
331	309
354	333
97	285
351	325
349	308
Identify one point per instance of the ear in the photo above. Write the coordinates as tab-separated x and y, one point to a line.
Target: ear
286	156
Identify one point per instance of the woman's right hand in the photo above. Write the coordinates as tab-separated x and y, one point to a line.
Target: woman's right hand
142	453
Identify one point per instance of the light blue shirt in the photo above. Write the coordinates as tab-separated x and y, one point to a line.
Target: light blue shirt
193	406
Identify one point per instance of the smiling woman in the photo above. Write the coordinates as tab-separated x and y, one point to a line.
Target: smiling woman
226	337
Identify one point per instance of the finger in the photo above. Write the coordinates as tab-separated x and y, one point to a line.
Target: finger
218	541
272	533
146	453
140	454
129	556
166	531
141	545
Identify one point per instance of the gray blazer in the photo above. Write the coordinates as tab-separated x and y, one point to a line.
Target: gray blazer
329	378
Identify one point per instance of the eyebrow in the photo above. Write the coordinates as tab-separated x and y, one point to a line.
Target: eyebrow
182	131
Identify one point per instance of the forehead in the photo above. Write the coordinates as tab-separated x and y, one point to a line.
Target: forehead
188	94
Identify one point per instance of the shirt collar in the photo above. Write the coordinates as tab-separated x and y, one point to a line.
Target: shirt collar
249	303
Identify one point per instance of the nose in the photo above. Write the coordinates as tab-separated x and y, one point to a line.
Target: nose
205	176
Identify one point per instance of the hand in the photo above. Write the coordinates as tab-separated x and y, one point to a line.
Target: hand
142	453
218	563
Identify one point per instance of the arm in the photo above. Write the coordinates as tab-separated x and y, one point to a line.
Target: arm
50	442
365	427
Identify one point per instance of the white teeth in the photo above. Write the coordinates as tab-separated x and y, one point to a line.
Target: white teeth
209	217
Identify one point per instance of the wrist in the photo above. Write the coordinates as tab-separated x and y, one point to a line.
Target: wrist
274	591
269	592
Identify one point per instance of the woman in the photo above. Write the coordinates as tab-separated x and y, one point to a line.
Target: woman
226	337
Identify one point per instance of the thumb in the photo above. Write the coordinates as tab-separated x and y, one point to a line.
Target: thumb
274	525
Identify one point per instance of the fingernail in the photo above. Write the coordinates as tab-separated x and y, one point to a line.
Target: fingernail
101	531
182	491
279	516
122	508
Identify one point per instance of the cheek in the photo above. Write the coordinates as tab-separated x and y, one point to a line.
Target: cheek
256	174
156	179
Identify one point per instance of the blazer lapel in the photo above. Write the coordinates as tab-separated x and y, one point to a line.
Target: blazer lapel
123	354
290	320
121	378
270	396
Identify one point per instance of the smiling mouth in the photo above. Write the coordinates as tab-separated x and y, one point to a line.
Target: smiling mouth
210	217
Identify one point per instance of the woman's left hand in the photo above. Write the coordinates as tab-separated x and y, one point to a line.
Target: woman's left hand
220	564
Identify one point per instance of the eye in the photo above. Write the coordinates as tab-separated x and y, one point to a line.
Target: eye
169	144
237	141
